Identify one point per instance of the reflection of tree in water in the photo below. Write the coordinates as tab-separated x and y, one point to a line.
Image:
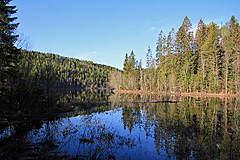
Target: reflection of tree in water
14	146
190	129
131	116
205	128
87	101
85	139
85	96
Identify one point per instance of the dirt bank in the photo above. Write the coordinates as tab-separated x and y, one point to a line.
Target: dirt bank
193	94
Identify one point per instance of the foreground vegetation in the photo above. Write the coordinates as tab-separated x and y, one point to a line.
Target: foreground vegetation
208	61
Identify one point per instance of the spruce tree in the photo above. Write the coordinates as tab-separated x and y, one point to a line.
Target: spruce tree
170	60
210	54
184	52
200	37
160	49
149	62
9	54
131	77
141	74
231	44
126	65
150	69
131	62
170	43
235	40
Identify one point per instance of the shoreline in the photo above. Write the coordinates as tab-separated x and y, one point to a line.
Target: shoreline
10	118
193	94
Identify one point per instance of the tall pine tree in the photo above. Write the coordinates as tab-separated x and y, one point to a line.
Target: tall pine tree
231	44
160	49
235	40
200	37
125	65
9	54
211	55
184	54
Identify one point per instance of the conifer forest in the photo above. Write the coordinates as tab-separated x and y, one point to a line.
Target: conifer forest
206	60
28	77
183	104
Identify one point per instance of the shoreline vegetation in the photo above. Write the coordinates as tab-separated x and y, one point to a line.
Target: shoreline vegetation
28	79
38	88
193	94
206	65
187	63
43	113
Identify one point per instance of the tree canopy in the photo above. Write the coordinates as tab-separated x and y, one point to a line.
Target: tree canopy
208	61
9	54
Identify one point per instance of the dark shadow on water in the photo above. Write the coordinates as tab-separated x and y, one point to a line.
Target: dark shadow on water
117	126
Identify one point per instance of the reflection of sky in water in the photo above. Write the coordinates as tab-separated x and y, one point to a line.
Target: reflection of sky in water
71	135
7	132
145	147
147	143
130	129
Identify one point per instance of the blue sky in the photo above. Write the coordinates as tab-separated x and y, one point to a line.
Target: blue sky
103	31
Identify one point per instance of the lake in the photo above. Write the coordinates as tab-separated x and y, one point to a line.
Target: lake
129	126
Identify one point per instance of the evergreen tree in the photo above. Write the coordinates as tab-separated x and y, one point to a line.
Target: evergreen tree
184	52
9	55
126	65
150	64
133	82
211	55
208	62
141	74
200	37
137	72
131	62
165	71
235	40
131	73
161	48
170	43
170	60
231	47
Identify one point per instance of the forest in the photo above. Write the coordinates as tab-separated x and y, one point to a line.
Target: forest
28	79
206	60
38	76
59	71
51	110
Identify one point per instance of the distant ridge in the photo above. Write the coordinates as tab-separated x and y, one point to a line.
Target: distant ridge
63	71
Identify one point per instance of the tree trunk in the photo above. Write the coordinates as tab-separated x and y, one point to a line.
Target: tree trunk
237	75
203	70
226	78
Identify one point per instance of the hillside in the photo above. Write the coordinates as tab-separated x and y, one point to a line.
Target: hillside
59	71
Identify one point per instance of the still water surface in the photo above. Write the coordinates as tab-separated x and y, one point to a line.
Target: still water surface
119	126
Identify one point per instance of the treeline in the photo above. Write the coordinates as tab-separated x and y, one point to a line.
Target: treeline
59	71
207	60
30	89
27	78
